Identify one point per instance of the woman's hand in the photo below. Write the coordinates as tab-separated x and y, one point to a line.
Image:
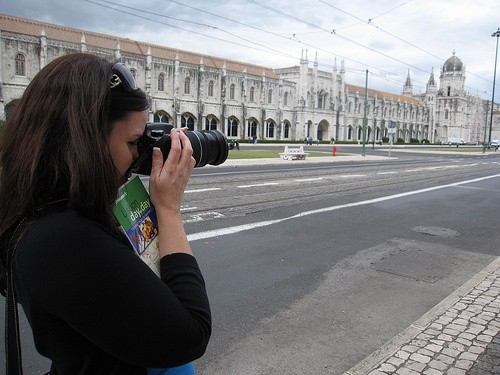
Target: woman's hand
168	180
166	187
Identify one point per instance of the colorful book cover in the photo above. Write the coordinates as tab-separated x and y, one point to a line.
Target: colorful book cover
137	217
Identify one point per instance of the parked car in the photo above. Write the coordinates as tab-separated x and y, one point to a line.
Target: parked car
494	143
455	141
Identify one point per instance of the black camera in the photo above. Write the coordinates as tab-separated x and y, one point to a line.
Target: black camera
209	147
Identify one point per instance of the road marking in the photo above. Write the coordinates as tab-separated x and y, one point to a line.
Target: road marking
203	215
249	226
387	172
201	190
258	185
184	209
309	179
352	175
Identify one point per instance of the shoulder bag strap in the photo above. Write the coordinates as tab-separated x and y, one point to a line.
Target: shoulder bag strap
12	337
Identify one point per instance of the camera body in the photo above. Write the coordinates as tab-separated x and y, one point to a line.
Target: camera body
209	147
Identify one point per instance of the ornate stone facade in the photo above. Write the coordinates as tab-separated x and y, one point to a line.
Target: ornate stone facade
244	100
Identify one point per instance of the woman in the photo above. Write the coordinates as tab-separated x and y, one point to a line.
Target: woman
93	305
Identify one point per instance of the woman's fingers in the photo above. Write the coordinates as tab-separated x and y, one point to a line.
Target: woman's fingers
168	180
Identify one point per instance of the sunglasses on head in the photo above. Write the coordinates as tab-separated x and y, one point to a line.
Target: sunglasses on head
122	75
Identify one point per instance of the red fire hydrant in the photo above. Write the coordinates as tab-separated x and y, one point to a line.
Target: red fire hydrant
334	150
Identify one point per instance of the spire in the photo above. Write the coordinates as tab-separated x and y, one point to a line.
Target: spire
432	81
408	87
408	80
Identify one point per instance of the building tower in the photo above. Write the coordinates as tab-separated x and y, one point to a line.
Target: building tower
408	87
452	124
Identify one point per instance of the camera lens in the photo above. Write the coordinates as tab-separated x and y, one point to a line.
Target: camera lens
209	147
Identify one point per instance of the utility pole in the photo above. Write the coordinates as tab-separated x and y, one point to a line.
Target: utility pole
364	117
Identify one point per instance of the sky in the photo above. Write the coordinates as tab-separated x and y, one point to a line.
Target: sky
389	38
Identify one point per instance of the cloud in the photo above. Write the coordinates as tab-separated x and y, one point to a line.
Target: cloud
415	34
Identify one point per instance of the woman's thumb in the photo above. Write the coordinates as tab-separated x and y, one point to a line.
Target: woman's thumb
157	161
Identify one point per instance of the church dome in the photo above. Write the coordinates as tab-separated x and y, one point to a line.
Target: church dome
453	64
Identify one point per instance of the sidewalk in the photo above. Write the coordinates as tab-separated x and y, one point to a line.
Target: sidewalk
458	336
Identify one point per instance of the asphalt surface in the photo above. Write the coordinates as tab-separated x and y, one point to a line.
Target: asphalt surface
459	336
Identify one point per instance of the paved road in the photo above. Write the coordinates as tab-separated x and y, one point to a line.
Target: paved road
323	277
353	274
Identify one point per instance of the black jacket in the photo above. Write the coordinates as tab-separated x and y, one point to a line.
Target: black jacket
96	308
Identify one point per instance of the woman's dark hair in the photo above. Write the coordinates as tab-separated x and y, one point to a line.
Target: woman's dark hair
55	144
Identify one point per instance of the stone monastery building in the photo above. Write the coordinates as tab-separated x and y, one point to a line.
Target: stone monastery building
243	100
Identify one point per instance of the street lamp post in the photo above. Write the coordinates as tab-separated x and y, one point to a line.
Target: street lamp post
497	35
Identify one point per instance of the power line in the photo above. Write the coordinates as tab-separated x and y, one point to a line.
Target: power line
132	11
335	32
370	23
332	32
267	49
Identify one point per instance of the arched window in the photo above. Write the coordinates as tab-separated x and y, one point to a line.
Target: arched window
161	116
252	94
20	65
210	123
211	88
231	91
252	128
187	120
270	97
320	100
287	130
232	127
161	82
270	126
187	86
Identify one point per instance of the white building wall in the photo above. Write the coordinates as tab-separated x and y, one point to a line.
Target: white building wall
318	103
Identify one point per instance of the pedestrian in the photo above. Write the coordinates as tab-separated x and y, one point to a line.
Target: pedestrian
93	305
